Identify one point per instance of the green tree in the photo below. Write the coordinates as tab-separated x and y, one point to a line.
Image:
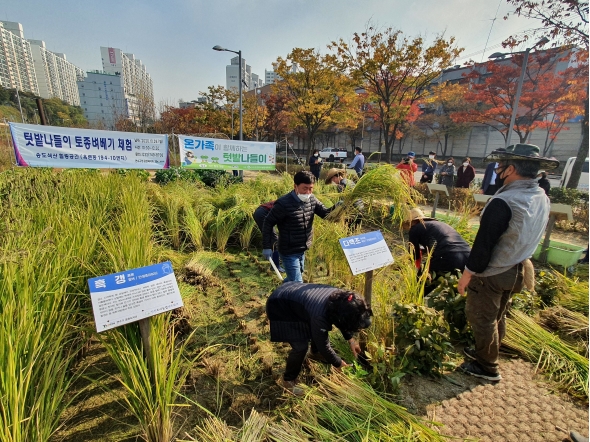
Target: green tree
566	21
318	93
396	72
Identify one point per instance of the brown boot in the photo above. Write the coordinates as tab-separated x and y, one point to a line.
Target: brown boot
292	387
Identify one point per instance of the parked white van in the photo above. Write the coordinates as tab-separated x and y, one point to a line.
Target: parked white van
567	172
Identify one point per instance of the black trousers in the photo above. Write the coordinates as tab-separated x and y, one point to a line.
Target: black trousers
296	358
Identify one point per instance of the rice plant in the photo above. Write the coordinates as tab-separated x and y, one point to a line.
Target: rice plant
351	410
572	293
151	376
558	360
338	409
49	244
383	183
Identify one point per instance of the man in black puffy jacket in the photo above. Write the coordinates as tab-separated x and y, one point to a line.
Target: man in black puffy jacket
293	215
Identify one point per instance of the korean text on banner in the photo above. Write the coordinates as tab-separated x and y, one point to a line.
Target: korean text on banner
365	252
124	297
50	146
214	153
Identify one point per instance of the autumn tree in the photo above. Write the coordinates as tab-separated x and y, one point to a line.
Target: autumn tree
437	121
179	121
566	21
318	94
276	123
396	72
544	92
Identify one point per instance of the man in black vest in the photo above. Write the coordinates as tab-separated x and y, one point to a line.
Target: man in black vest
511	226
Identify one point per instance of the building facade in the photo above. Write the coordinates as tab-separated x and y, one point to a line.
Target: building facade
17	70
56	77
136	81
251	80
103	98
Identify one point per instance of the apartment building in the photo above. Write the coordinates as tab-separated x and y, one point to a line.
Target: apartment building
251	80
103	98
271	77
136	81
17	70
56	77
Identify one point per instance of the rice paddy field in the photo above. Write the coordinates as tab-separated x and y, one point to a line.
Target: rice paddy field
210	373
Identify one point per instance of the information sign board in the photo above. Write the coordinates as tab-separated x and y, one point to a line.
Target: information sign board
366	252
124	297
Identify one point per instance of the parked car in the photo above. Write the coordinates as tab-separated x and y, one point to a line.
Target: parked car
567	172
333	153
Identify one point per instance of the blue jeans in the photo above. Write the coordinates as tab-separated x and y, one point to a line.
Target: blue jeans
293	265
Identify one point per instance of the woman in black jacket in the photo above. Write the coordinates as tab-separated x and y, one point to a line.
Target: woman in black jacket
300	313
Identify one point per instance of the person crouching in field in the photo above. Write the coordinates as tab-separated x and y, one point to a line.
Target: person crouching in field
300	313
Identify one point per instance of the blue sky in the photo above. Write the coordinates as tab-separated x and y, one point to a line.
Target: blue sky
174	38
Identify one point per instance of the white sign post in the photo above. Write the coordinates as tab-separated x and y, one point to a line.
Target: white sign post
365	253
133	295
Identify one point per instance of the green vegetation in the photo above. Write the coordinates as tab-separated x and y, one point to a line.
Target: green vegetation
210	362
57	112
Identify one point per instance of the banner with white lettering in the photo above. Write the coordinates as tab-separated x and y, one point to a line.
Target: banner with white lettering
124	297
215	153
51	146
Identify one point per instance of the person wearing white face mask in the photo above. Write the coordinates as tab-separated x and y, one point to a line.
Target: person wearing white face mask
293	214
447	173
428	168
465	174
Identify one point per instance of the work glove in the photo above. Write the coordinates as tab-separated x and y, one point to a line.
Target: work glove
267	253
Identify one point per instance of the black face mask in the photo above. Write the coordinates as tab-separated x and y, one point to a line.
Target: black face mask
500	181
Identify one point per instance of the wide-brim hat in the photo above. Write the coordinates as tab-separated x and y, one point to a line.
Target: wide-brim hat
524	152
415	213
332	173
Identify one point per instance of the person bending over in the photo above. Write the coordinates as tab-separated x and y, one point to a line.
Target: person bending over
303	313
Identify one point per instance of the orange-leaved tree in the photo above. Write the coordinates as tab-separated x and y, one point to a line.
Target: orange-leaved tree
436	121
317	93
396	72
566	22
546	93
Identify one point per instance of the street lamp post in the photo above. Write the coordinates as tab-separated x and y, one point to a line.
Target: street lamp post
219	48
525	60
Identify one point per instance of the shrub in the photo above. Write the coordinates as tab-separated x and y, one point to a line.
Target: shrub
211	178
446	299
421	339
579	202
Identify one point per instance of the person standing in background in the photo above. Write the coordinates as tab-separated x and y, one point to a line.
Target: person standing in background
488	184
358	164
407	169
315	164
465	174
428	168
446	175
544	182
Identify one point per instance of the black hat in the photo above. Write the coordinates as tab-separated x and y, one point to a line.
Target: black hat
528	152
